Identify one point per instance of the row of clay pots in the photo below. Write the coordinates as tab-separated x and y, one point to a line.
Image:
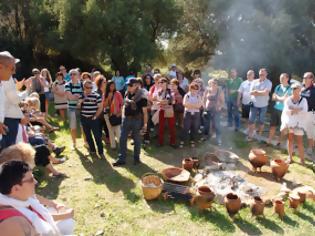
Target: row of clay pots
258	158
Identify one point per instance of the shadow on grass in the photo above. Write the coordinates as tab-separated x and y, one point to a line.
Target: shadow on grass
269	224
307	206
305	217
103	173
247	227
288	220
49	187
214	217
162	206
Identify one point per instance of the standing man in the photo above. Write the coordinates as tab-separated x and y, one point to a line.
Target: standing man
91	109
74	91
13	113
119	82
280	94
134	116
7	68
309	93
244	97
233	84
259	91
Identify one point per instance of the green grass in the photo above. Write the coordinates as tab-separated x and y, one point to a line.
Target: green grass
110	200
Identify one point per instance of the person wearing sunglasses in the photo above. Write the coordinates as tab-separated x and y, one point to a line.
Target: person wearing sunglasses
21	213
91	108
74	90
134	117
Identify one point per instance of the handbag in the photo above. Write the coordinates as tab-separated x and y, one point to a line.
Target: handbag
114	120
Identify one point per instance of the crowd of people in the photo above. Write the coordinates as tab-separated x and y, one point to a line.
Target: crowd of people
111	110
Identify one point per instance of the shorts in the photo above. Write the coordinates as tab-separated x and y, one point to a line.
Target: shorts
42	155
310	131
245	111
275	118
261	111
296	131
72	116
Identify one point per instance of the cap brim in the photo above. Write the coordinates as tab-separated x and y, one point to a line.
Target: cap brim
17	60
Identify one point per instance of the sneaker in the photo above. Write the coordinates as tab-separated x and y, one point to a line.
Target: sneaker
59	150
119	163
249	139
181	144
73	147
192	144
219	142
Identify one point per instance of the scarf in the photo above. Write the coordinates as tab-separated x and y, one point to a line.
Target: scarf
43	227
136	98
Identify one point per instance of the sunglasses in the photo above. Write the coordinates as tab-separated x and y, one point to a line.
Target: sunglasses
31	180
88	87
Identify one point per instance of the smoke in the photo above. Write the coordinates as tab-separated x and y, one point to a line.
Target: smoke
251	35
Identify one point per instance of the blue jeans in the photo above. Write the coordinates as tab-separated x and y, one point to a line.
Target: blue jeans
13	128
191	123
133	125
90	126
233	113
261	111
213	116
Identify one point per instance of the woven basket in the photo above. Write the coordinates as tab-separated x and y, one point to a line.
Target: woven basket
151	186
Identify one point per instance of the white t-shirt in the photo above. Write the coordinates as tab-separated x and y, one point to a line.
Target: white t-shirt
289	120
244	90
261	101
2	102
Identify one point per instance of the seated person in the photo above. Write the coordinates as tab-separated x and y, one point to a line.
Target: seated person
40	155
21	214
36	117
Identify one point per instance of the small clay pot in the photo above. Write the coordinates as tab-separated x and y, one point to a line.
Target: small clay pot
279	208
257	158
302	197
279	168
257	207
232	203
206	191
294	201
188	163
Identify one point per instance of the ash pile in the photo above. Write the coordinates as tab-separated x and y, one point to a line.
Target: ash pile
219	173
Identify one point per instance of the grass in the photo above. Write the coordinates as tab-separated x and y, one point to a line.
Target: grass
109	201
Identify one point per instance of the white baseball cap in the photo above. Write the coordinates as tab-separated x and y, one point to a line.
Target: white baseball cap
9	55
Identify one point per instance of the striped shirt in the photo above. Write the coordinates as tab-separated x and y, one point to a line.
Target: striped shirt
90	104
74	89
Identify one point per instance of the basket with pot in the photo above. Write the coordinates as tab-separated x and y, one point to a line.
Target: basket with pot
152	186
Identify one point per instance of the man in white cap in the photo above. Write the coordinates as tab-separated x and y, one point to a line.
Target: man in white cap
13	113
7	68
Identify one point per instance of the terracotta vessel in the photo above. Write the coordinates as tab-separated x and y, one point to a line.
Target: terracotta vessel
302	197
294	201
232	203
258	158
204	197
257	207
188	164
279	208
279	168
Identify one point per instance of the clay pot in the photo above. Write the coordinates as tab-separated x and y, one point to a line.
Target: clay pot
257	207
204	197
258	158
279	168
232	203
302	197
279	208
206	191
294	201
188	164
